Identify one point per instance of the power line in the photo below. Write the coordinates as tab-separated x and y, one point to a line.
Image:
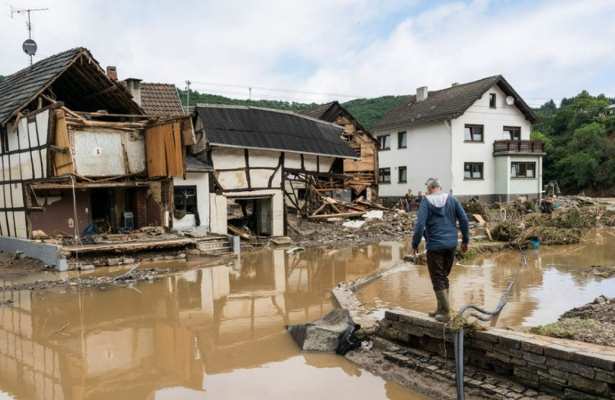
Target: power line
269	89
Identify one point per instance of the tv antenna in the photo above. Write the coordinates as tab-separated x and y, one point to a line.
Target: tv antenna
29	46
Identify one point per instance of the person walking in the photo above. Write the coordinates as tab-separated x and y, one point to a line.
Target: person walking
437	220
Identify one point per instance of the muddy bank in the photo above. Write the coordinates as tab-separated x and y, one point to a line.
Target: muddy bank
592	323
129	277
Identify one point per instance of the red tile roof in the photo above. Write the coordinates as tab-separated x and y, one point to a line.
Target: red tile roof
160	99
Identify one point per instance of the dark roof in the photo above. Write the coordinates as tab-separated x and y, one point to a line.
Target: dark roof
448	103
330	111
253	127
160	99
85	92
194	164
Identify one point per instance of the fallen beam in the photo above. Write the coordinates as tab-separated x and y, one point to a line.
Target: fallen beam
337	215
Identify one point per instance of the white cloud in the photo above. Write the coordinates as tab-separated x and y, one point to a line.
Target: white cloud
550	49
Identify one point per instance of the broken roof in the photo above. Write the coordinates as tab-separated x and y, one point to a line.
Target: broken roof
330	111
448	103
160	99
253	127
73	77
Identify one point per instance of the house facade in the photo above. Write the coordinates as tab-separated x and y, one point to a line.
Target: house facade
474	137
79	154
254	153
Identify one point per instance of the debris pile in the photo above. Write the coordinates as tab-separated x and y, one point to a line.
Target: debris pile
127	278
368	227
517	223
592	323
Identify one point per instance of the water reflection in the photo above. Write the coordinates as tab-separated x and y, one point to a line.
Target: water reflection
216	332
554	280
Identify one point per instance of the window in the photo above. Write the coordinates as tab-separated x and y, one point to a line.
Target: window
473	170
492	99
384	175
185	200
384	142
473	133
401	140
512	132
403	174
523	169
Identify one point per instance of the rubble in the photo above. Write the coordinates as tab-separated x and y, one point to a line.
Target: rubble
128	278
394	225
326	334
593	323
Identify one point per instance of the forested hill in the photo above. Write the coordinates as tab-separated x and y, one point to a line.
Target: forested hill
367	111
579	134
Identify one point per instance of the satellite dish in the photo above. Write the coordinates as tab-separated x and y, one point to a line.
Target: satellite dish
510	100
29	47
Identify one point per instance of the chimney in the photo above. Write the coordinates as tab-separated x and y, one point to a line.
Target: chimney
134	87
421	94
112	72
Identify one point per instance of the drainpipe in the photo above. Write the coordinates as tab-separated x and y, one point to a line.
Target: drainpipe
449	125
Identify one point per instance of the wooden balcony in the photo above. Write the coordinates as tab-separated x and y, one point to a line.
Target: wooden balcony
518	147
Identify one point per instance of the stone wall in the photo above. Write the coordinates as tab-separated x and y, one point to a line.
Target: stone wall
564	368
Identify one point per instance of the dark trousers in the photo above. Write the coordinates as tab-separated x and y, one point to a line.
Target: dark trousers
439	263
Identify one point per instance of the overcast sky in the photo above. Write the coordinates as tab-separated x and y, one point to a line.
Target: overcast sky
317	50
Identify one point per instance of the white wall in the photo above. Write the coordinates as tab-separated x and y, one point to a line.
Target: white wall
493	120
427	155
277	206
201	181
23	164
526	185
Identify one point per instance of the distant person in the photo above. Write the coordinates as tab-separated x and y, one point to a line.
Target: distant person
437	220
407	201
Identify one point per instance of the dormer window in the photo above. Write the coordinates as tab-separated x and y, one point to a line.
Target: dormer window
492	100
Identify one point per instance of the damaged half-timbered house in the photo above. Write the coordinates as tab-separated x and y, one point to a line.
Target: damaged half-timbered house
78	155
257	154
361	175
191	191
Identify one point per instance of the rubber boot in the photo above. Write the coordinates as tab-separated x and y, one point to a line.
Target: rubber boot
444	310
438	309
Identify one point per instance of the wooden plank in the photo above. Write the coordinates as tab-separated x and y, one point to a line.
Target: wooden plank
62	161
338	215
155	149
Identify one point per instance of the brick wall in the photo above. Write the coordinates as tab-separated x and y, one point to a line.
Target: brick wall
564	368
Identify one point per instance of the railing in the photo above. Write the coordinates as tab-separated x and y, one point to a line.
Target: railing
518	146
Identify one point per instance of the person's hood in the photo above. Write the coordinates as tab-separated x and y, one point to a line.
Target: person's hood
437	200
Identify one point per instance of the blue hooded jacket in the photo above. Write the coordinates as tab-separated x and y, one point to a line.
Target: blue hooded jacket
437	220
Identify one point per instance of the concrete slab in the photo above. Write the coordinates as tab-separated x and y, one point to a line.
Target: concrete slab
47	253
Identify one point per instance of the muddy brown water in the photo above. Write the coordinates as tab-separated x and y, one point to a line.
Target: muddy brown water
554	280
217	332
206	333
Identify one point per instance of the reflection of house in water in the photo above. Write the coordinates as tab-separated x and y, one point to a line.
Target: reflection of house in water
130	343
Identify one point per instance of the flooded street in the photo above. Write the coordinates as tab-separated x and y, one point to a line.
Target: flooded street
216	332
554	280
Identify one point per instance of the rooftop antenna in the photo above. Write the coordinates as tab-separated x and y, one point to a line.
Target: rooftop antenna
188	83
29	46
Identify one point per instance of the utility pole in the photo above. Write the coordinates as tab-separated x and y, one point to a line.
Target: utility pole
188	83
29	46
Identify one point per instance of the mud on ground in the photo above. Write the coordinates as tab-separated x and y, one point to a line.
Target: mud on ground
591	323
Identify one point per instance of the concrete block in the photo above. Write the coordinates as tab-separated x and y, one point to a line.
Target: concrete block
532	347
534	358
594	360
48	254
